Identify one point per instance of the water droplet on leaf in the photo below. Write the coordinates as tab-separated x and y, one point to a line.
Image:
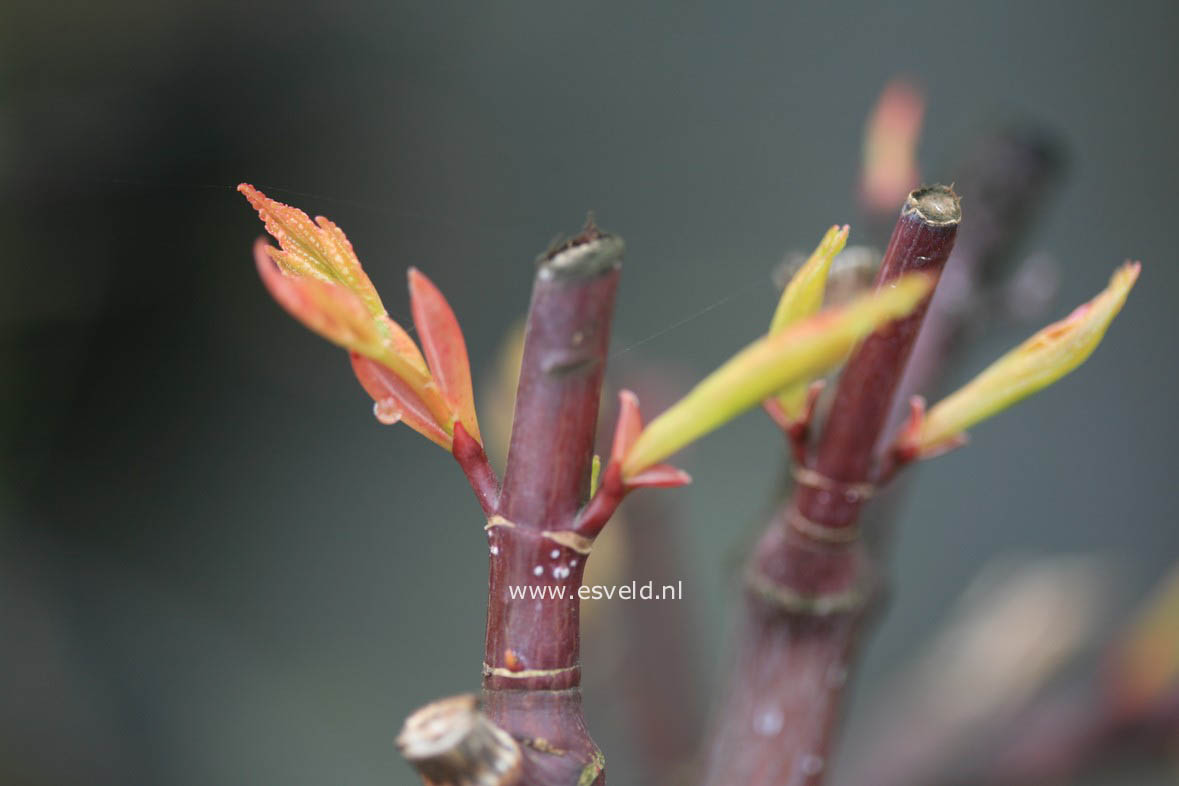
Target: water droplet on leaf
387	411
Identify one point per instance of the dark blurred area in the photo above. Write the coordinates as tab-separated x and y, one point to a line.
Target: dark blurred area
217	567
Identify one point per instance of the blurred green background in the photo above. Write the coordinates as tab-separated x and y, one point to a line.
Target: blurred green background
216	567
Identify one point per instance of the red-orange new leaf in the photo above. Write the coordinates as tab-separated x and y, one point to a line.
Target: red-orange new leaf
444	347
401	402
316	277
626	432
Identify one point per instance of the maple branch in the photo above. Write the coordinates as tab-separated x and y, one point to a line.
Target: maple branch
809	579
531	670
1004	181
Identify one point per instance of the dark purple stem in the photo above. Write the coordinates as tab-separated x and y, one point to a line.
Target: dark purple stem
809	580
532	673
921	242
1005	181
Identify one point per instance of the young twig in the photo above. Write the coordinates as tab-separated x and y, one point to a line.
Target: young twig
531	670
809	580
1004	182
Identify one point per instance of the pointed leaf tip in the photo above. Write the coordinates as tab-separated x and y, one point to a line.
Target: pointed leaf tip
803	294
802	297
315	276
314	249
444	348
1035	364
628	426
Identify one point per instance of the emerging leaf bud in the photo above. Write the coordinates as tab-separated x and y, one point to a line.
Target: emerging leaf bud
802	297
770	364
1033	365
890	147
317	278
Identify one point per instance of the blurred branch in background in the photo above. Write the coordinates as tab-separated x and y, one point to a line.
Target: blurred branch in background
1011	631
991	703
1128	708
889	156
1066	736
659	670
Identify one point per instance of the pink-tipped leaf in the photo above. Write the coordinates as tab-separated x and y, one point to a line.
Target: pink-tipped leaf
323	306
628	426
662	476
626	432
444	348
314	249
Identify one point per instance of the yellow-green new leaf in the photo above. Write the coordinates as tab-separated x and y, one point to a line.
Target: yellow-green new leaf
770	364
802	297
595	474
1033	365
804	294
1145	664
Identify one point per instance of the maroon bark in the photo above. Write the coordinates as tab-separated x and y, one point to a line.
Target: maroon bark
921	242
1005	181
809	580
532	673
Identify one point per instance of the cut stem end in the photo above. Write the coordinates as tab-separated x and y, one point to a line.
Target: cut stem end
935	205
450	742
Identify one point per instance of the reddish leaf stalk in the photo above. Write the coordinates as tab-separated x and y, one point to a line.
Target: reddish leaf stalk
809	579
473	461
532	673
